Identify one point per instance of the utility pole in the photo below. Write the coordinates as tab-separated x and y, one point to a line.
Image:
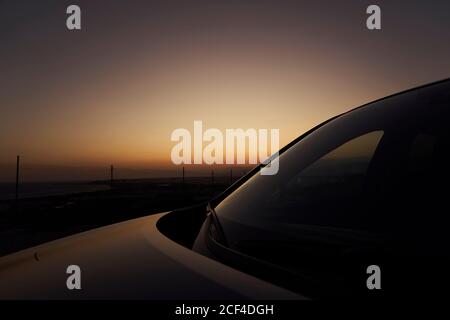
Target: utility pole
17	178
112	174
183	177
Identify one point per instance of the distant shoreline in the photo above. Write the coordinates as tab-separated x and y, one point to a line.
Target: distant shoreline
29	190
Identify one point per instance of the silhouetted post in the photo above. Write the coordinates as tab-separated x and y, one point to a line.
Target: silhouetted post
17	178
183	177
112	174
212	177
231	175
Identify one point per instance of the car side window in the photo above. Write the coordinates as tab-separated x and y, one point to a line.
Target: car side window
421	154
422	187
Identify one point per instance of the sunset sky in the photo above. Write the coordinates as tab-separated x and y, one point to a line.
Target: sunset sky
74	102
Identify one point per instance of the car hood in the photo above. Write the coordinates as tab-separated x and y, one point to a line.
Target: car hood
128	260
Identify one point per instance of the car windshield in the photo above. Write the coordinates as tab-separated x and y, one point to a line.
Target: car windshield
320	179
366	174
305	179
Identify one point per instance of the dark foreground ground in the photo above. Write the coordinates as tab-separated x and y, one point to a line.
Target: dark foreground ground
37	220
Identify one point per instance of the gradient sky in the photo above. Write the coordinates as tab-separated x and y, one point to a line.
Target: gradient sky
74	101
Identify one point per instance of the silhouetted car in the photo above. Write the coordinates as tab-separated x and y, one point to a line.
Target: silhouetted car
368	187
